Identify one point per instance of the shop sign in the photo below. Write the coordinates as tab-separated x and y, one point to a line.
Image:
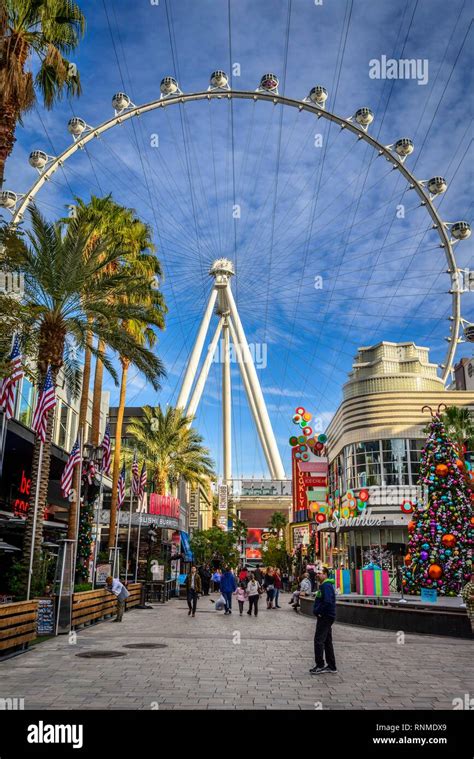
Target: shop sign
364	520
222	497
299	488
20	505
392	495
194	508
102	571
168	523
164	505
314	481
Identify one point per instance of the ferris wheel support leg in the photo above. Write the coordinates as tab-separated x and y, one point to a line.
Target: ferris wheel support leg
251	401
202	379
256	390
193	362
226	405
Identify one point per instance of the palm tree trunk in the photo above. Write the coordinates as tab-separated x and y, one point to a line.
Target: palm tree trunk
97	395
43	476
74	505
117	452
7	136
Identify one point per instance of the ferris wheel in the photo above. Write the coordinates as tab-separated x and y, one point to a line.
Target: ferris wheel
240	155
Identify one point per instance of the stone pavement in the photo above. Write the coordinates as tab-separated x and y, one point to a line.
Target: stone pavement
230	662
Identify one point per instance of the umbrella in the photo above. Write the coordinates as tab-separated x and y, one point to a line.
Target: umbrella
7	547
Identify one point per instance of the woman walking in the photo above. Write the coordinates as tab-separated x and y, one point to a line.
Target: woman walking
216	580
269	586
253	593
278	587
193	589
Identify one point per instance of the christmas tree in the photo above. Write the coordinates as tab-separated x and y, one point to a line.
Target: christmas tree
442	526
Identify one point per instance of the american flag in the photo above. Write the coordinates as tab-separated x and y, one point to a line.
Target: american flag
121	488
68	473
7	386
46	401
135	477
106	447
143	481
89	471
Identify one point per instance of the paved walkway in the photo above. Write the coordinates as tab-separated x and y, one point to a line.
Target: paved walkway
230	662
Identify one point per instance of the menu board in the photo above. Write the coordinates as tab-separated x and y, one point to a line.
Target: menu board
45	621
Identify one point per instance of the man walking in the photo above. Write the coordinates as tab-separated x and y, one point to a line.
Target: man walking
193	588
325	610
113	585
228	585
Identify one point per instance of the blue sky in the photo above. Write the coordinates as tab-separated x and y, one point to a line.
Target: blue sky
307	210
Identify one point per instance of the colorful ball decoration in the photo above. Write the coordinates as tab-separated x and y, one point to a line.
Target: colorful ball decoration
460	464
297	418
363	495
311	442
345	512
448	540
361	505
435	571
293	441
302	448
320	518
305	457
300	410
307	431
307	416
303	423
442	470
322	438
407	506
319	446
351	500
297	455
411	526
407	559
302	440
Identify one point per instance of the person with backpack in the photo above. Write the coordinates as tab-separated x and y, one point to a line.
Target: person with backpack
253	593
269	586
325	610
228	585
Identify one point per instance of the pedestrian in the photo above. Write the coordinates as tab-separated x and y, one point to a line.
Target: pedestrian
216	580
258	574
285	579
278	587
325	610
205	575
312	578
303	590
241	595
468	598
114	585
243	575
253	592
269	586
228	585
193	589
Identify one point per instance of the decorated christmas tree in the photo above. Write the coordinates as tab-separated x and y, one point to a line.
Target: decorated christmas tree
442	526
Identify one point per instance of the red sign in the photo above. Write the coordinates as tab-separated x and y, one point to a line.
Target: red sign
311	481
20	505
164	505
299	488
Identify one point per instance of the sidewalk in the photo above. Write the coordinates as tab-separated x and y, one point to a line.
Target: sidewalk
230	662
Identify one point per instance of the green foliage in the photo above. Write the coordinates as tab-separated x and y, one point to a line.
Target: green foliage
277	521
274	553
80	587
215	543
459	426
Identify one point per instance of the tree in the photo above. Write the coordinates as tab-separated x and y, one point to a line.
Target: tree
277	522
215	544
274	553
460	427
441	528
63	307
171	448
46	30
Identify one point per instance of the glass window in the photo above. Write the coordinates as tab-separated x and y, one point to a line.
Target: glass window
367	464
25	411
395	462
416	447
62	426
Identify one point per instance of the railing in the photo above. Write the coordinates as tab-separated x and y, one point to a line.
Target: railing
92	605
159	591
17	624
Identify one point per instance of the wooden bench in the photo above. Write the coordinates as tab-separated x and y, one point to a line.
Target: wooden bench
92	605
17	624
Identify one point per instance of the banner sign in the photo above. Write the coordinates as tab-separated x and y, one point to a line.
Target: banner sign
314	481
194	509
299	489
164	505
222	497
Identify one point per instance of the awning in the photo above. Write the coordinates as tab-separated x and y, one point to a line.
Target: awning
188	554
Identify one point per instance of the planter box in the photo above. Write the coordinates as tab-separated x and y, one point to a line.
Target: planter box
17	624
93	605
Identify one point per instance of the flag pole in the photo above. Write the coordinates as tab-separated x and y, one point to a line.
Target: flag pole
138	542
3	438
35	514
97	525
128	537
116	564
78	516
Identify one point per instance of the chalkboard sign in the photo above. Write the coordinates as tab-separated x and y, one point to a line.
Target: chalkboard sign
429	595
45	623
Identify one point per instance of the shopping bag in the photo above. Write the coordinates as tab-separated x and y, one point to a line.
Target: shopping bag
220	603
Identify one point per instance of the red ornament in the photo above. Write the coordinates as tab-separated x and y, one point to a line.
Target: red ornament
411	526
408	559
435	571
448	540
460	464
442	470
363	495
406	506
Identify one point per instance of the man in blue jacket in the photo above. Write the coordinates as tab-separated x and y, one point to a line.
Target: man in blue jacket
325	610
228	585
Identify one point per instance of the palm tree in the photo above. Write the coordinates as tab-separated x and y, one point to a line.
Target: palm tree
63	306
277	522
171	447
460	427
49	30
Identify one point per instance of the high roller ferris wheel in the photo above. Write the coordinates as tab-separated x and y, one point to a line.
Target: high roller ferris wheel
396	153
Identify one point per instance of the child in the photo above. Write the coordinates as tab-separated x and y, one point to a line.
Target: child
241	594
